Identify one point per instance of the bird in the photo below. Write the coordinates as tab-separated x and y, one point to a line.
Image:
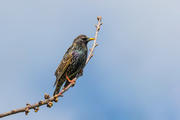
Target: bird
73	62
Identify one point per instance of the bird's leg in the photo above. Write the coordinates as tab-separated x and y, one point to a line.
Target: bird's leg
71	81
60	94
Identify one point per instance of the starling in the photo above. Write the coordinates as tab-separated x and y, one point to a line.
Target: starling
72	63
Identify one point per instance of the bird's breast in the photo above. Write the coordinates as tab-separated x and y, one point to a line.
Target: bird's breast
78	62
79	53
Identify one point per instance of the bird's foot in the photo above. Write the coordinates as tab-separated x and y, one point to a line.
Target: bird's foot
60	94
71	81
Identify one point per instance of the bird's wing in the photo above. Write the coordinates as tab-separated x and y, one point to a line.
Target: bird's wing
63	65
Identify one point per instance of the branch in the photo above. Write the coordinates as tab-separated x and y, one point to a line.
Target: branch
49	100
99	18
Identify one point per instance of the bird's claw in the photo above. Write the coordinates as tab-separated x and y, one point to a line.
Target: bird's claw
59	94
71	81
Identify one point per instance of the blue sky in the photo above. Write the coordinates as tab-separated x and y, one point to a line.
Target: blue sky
134	74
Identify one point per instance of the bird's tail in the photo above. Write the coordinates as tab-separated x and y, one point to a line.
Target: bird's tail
58	87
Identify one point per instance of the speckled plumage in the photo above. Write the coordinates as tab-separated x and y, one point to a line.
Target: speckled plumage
72	63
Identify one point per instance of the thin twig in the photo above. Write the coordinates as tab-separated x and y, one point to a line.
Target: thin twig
49	100
99	18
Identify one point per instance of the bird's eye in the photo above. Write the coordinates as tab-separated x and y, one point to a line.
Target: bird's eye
84	38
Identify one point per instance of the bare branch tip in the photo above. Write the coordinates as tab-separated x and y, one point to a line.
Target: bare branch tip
36	109
50	104
27	105
26	111
56	99
96	44
92	55
40	102
46	96
99	18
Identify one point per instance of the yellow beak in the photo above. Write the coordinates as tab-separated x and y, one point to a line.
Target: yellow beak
91	39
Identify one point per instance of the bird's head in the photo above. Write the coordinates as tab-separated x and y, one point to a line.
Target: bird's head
82	39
